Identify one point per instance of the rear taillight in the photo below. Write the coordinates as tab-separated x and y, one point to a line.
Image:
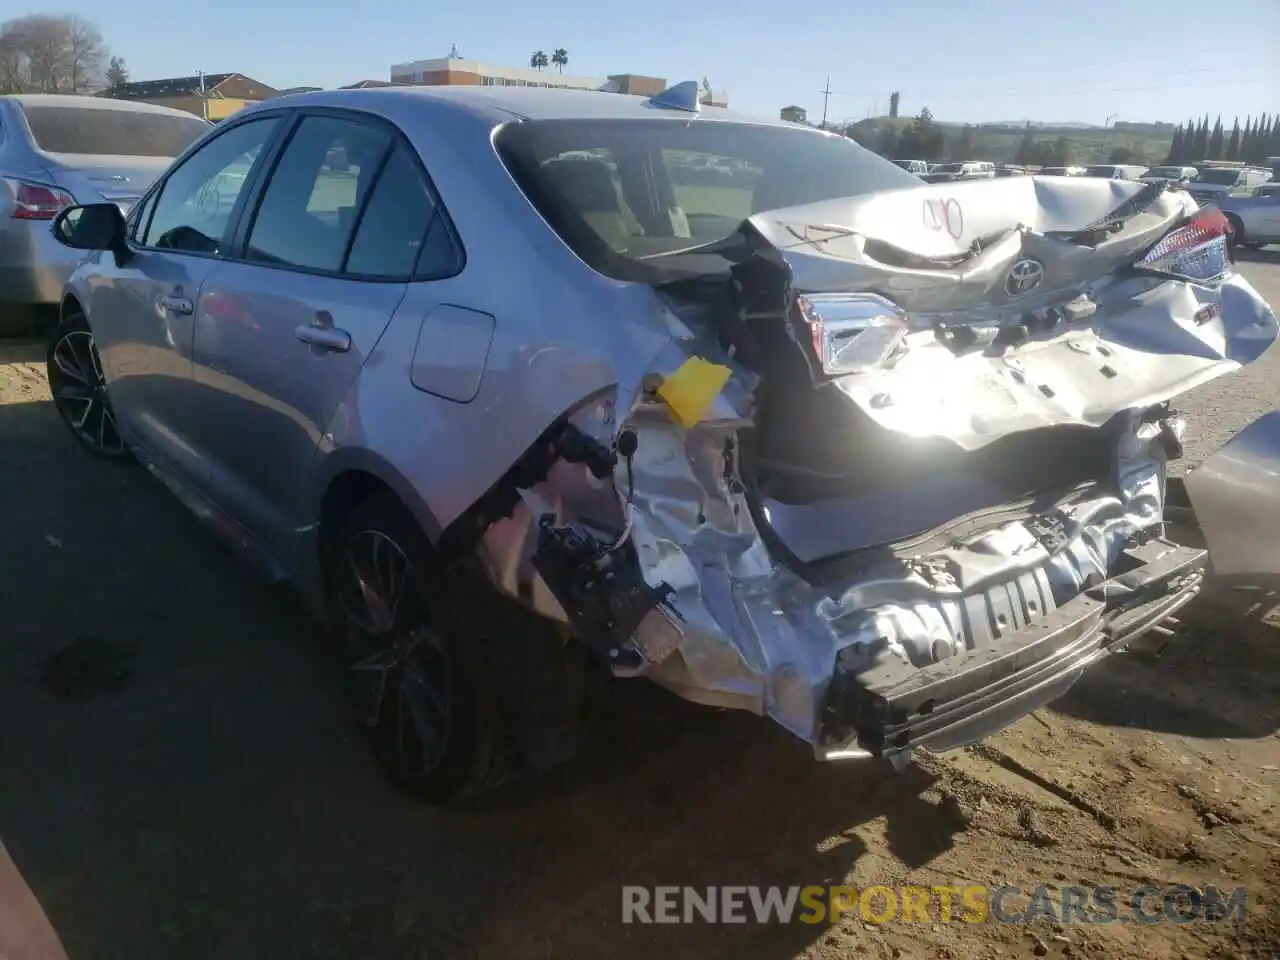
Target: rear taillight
1196	251
849	332
35	201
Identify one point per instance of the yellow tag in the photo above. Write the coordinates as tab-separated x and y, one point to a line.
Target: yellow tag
692	389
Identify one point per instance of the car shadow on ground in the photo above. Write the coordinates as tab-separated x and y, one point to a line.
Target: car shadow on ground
1270	254
1219	677
182	777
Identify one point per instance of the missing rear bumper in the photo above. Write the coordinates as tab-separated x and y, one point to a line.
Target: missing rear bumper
890	708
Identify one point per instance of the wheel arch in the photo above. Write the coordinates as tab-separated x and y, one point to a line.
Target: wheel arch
70	302
351	476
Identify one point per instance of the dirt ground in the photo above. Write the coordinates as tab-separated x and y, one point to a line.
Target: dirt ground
211	800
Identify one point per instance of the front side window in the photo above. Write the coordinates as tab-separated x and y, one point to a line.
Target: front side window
307	214
195	203
625	193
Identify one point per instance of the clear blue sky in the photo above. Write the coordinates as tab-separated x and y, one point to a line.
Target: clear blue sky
1074	60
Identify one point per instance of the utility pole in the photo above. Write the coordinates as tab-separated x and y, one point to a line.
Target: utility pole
826	96
204	101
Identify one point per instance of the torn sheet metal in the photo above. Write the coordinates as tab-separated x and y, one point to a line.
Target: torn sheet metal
756	636
739	627
1098	338
1236	496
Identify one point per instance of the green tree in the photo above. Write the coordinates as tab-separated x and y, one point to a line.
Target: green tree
1061	152
1175	148
1216	140
1200	142
1233	145
1126	153
923	139
888	145
538	60
560	57
1042	155
961	147
1026	147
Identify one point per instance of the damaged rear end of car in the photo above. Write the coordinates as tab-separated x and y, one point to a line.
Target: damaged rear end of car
898	475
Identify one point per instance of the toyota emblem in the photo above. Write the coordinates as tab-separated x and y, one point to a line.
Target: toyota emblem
1024	276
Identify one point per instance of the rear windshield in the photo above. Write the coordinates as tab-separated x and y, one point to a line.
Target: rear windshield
622	191
129	133
1218	176
1099	171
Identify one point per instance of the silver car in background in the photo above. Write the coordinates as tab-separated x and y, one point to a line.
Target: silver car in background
58	150
515	385
1254	217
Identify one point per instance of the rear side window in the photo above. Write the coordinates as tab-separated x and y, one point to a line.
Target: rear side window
307	213
401	231
111	132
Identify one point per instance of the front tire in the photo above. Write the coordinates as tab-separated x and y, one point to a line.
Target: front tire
79	389
429	718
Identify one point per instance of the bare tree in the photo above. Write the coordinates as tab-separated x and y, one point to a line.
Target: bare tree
85	54
43	53
117	74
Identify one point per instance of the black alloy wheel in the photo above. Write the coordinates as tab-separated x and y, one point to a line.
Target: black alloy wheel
420	701
80	391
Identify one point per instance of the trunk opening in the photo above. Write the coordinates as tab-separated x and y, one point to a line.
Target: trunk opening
830	486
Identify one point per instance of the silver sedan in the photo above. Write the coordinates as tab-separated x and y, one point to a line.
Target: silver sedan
59	150
1254	217
518	385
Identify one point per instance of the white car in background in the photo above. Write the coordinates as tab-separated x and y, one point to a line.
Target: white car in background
1169	174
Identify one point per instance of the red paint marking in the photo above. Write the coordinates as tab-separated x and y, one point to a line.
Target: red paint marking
944	214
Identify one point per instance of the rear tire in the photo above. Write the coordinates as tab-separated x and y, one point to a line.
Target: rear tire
427	713
79	389
1237	232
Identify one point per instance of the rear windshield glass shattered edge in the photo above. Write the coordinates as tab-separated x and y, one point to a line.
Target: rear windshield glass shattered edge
101	132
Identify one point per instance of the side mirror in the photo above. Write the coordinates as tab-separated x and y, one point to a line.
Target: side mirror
93	226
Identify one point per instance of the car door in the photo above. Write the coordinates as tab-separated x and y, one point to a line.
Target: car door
143	313
1267	212
323	261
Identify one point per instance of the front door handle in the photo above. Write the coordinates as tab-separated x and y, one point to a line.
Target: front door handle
181	306
326	338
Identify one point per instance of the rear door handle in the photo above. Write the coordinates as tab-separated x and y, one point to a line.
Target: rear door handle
326	338
181	306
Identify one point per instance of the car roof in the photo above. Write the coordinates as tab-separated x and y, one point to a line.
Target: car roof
499	104
78	102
